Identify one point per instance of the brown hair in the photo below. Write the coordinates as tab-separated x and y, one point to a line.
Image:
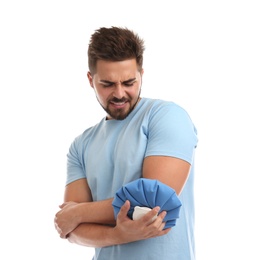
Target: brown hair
114	44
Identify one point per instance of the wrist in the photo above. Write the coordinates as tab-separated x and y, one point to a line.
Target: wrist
80	212
116	237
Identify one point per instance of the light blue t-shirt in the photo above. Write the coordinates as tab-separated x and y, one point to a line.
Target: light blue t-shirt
110	154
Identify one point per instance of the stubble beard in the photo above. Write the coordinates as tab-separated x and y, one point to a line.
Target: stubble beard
120	114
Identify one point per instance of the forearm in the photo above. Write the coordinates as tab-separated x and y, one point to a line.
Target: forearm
94	235
78	206
100	212
125	231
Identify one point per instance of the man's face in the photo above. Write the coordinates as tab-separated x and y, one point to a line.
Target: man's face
117	85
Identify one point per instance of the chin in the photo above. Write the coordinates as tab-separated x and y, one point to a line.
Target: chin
121	115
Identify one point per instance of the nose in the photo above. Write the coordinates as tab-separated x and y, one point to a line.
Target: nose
118	91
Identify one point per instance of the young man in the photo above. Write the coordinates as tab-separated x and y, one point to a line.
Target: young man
138	138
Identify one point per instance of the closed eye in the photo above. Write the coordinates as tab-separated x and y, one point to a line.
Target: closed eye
128	84
107	85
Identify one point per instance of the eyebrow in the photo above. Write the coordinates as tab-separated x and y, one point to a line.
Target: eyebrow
111	82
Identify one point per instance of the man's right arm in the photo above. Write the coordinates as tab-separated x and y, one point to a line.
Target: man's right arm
88	223
125	231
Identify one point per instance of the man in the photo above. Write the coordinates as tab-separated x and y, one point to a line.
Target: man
138	138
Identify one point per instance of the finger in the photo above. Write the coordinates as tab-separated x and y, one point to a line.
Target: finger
159	220
58	229
150	217
165	231
63	235
62	205
61	232
163	214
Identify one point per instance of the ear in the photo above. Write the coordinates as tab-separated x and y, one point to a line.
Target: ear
141	76
90	78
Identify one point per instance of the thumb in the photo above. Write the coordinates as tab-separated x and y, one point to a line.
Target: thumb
124	209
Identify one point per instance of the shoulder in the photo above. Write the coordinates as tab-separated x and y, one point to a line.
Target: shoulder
169	115
83	138
159	103
159	107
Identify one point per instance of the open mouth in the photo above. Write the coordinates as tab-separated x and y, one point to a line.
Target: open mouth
119	104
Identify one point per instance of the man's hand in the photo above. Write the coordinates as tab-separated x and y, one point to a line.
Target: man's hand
67	219
129	230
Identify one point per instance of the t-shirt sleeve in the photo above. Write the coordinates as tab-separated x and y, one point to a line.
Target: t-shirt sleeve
171	133
75	162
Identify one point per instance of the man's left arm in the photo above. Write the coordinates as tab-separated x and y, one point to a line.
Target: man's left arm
172	139
169	170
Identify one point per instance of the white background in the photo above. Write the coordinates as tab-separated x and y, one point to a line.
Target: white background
198	54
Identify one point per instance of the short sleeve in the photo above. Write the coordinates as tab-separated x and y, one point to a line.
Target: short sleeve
75	162
171	132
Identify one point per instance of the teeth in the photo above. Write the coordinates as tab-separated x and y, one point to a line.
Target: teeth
119	104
